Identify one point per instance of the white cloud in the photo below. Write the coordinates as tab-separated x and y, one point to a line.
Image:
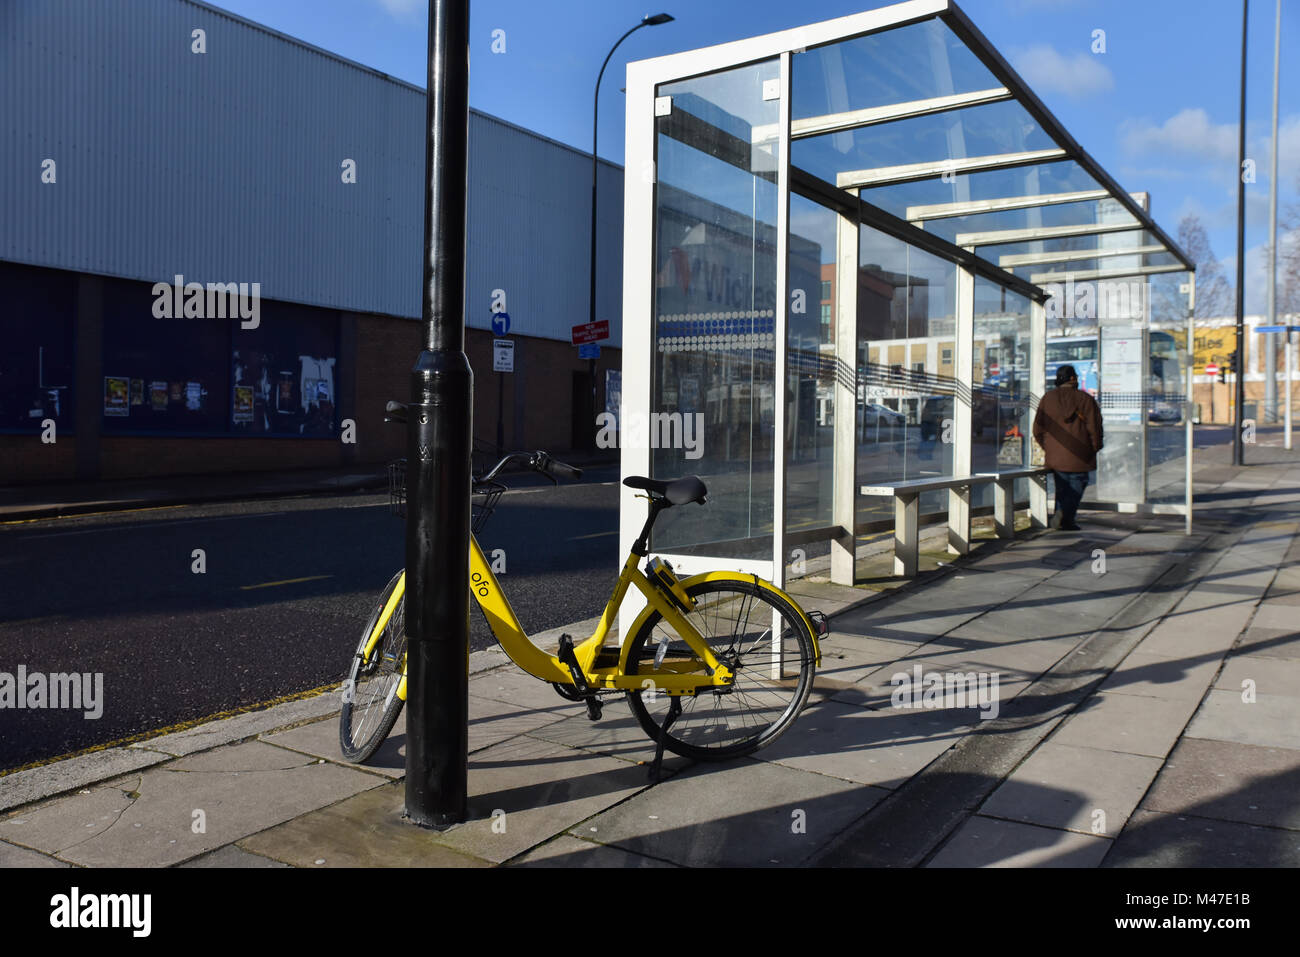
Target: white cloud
1189	133
1079	75
402	9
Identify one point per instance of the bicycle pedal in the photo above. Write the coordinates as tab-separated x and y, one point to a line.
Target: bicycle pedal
593	709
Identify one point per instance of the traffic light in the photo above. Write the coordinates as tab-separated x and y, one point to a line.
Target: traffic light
1231	363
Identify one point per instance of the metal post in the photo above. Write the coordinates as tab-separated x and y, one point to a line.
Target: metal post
1239	367
647	21
1190	444
1290	364
1270	379
438	452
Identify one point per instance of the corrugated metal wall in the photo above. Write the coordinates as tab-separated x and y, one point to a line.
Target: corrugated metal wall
226	166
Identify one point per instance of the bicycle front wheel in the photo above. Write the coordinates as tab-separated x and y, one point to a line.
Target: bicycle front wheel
370	701
766	643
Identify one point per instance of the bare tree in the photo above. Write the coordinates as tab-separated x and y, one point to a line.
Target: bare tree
1215	296
1288	258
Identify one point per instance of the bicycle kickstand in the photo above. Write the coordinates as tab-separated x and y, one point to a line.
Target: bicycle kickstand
674	709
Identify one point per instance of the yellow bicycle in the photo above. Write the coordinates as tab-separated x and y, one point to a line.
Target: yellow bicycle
715	666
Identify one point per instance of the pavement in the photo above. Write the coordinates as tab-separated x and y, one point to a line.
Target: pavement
1148	689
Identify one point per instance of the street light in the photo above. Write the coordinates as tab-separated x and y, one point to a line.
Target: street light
646	21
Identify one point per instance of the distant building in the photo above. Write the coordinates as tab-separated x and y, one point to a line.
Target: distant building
210	251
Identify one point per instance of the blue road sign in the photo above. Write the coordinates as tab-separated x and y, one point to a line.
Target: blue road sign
589	351
1276	328
501	323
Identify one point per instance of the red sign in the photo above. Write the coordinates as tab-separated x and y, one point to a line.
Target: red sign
1211	368
993	368
590	332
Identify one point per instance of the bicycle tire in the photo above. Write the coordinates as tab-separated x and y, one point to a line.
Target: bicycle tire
720	732
370	702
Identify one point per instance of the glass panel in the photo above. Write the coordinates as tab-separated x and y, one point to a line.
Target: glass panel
37	373
163	375
1001	376
914	62
1167	384
906	369
1000	418
810	387
1063	176
990	130
713	382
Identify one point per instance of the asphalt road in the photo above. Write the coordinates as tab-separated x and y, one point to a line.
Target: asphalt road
285	589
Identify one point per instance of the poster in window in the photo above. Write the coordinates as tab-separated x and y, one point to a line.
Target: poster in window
284	394
137	391
193	396
158	396
243	404
117	393
176	391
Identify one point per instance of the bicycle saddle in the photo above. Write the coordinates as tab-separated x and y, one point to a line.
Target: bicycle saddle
681	491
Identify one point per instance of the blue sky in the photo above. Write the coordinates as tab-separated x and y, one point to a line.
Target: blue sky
1158	109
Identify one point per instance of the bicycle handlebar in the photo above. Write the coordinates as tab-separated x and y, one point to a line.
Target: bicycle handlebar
538	462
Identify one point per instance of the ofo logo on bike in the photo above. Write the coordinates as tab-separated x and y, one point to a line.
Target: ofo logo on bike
942	690
37	690
218	300
657	430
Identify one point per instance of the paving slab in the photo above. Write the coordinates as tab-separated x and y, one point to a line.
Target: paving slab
568	851
58	777
744	813
877	690
989	842
1200	632
1269	615
524	791
849	658
1153	839
1134	724
1063	786
321	740
1271	676
366	830
1163	677
882	748
1281	643
617	734
13	856
238	727
240	789
232	856
1269	721
1230	781
515	687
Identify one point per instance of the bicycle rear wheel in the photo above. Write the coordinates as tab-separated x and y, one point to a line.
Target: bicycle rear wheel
761	637
370	702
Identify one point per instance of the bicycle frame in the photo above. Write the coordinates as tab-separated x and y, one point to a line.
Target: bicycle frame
670	677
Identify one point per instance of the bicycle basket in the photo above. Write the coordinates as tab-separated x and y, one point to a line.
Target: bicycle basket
397	487
486	493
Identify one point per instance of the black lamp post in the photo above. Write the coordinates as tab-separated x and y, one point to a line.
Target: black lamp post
647	21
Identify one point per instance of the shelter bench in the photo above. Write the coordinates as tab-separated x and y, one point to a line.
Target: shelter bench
907	497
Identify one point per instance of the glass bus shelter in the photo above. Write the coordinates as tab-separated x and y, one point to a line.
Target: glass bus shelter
854	253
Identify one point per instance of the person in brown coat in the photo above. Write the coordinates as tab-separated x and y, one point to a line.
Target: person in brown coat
1068	427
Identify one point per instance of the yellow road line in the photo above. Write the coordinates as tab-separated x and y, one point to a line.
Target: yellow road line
113	511
287	581
180	726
